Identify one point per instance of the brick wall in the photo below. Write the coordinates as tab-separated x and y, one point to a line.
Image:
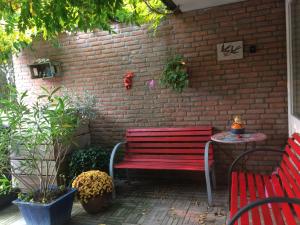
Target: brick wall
254	87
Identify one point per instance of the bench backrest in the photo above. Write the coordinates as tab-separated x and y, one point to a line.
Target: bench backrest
178	144
289	171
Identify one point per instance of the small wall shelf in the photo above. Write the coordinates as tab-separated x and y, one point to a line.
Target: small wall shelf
45	69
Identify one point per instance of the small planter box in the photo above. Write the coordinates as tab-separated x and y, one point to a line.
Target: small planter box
46	69
57	212
7	199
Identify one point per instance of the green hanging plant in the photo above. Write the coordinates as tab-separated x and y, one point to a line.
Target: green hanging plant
175	75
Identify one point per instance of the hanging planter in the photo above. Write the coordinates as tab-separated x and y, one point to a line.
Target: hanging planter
175	74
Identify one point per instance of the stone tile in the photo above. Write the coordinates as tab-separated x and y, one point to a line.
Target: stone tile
148	203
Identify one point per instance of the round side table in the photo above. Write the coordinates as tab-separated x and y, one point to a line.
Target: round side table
229	138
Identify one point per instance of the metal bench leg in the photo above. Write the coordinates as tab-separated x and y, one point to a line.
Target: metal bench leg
207	173
213	177
128	177
111	174
208	187
113	192
111	167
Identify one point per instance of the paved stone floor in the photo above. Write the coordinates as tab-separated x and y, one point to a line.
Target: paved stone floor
148	203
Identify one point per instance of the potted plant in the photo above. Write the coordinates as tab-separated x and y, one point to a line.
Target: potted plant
39	136
175	74
94	190
82	160
7	193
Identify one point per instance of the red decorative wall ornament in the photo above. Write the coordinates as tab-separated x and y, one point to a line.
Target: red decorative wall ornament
128	80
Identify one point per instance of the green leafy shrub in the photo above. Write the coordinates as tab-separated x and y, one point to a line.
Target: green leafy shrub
174	75
5	186
87	159
84	103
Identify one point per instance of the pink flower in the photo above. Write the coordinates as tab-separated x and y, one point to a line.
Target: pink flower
151	84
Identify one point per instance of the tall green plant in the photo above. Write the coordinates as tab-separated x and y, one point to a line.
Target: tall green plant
33	131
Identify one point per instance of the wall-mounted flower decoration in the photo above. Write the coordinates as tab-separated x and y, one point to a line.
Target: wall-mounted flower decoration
151	84
128	80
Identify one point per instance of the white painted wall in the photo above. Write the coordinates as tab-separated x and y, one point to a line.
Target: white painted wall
188	5
293	57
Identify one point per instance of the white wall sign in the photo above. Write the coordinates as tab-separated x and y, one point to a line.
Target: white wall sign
230	50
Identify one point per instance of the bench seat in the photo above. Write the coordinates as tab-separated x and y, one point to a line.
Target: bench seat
180	149
249	187
191	166
283	182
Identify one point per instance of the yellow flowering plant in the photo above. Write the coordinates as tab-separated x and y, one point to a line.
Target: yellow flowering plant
91	184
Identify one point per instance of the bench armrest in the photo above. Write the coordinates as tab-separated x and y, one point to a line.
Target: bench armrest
112	158
206	154
235	162
262	202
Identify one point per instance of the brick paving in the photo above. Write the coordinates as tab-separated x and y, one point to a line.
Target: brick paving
148	203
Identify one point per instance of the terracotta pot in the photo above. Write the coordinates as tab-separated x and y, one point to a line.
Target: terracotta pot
97	204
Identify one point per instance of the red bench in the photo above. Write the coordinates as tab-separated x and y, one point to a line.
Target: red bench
273	198
168	149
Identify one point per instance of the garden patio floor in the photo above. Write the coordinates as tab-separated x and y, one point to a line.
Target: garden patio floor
148	203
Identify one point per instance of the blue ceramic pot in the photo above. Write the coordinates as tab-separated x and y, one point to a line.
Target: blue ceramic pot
238	131
57	212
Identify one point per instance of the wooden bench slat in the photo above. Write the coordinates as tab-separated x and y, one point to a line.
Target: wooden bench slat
275	207
169	134
285	207
166	157
293	157
165	160
166	145
292	168
252	192
157	160
289	186
290	177
234	195
243	197
164	166
296	136
262	195
168	139
294	145
176	151
154	129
